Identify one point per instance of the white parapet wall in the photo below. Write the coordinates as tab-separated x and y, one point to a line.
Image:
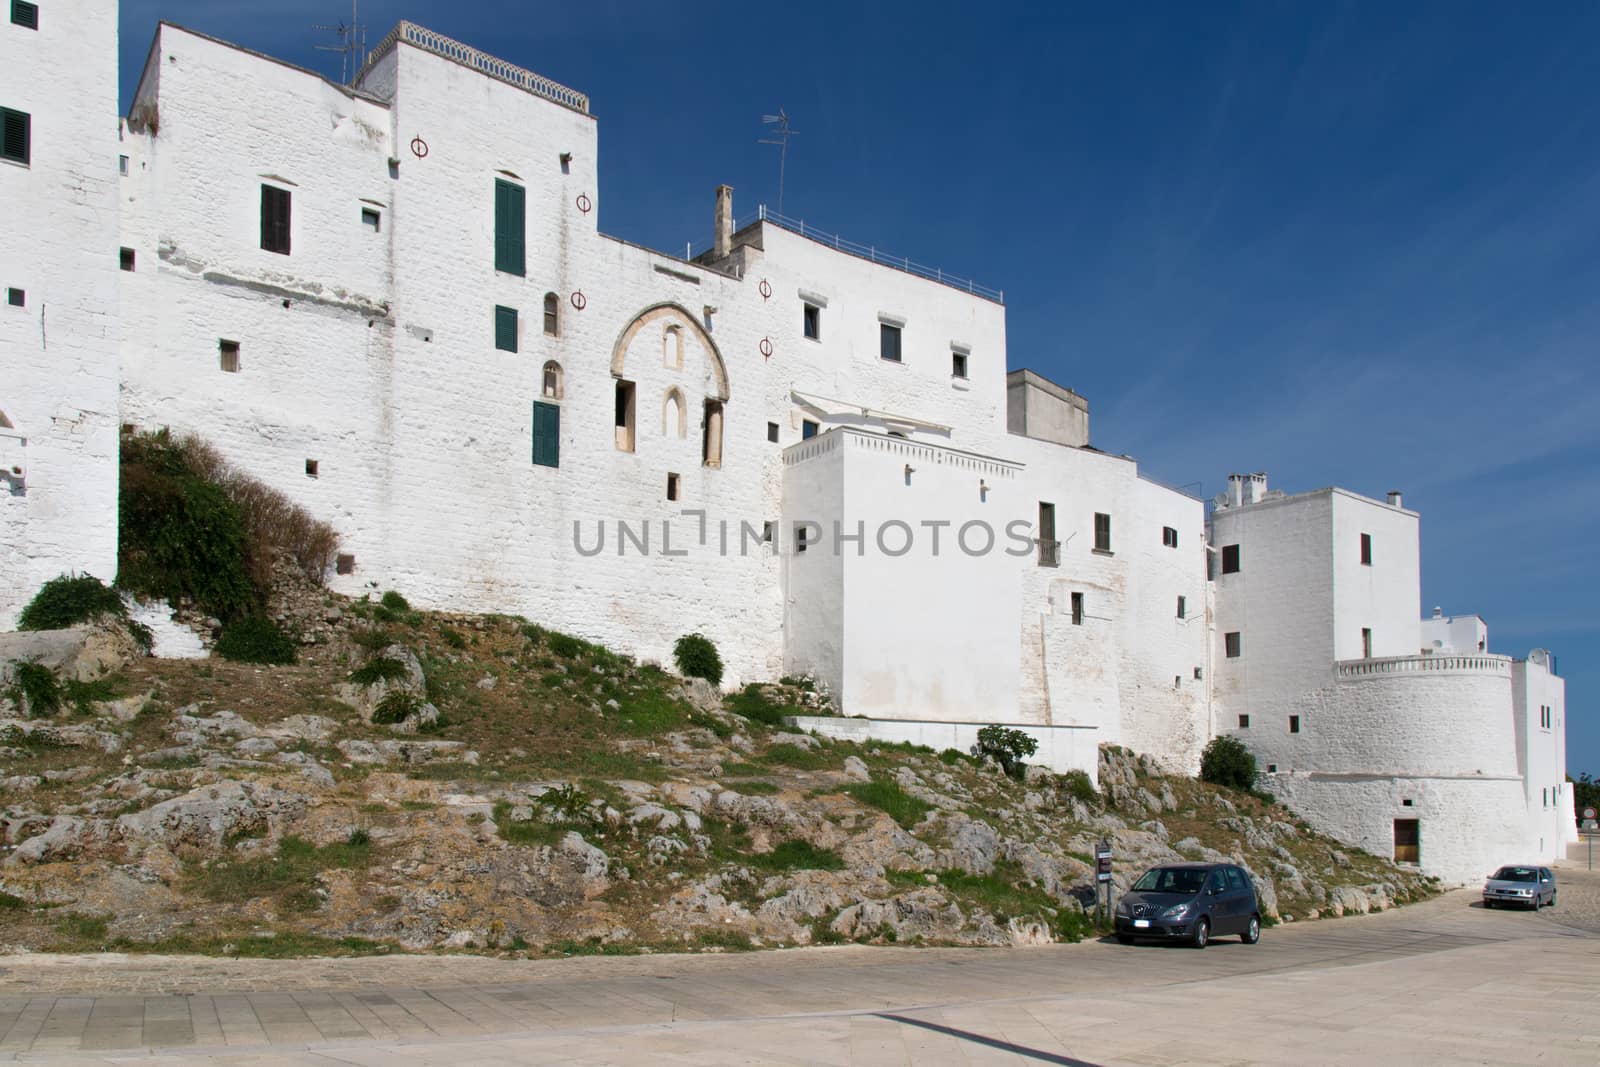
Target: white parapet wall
1061	748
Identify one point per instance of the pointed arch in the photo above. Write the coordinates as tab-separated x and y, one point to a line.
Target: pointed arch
677	312
674	414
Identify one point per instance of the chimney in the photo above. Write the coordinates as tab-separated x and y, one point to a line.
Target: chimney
1438	612
724	239
1395	499
1235	490
1255	490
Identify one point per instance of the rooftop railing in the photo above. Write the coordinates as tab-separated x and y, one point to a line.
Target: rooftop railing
873	254
1368	668
467	56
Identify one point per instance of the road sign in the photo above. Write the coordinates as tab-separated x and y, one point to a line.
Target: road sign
1102	862
1589	814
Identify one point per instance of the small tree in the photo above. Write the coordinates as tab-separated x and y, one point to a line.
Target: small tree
1227	762
697	657
1008	746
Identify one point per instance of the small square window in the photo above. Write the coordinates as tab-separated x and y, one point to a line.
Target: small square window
126	259
1230	559
344	564
229	351
672	486
1169	537
566	163
958	364
1244	722
772	432
1197	674
1407	803
1183	607
16	298
1366	550
889	342
811	322
371	219
25	14
1230	644
16	135
1077	609
1294	724
1272	768
311	468
122	166
808	429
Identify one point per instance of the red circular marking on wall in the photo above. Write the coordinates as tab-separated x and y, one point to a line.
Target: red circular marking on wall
584	203
766	348
766	289
419	147
579	301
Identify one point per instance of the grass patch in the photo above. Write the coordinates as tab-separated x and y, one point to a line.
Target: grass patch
651	712
256	639
754	787
1005	893
80	927
796	854
34	686
901	806
724	940
379	669
591	947
288	874
798	757
9	902
280	946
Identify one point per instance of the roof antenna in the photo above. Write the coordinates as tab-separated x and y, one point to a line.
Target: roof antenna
780	137
352	45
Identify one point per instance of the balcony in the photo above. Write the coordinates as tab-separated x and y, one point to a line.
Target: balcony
1351	669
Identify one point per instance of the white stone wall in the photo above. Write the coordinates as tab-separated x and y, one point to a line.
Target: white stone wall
1384	596
58	388
1061	748
1455	633
1542	755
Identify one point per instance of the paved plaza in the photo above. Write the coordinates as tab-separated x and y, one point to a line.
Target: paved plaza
1440	982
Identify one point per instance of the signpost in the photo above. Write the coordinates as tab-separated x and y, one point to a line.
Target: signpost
1102	872
1589	828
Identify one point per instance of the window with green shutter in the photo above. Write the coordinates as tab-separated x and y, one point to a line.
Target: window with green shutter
505	328
16	133
509	227
546	434
25	14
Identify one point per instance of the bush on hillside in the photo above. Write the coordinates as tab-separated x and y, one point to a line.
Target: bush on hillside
70	599
697	657
34	688
190	526
255	639
1008	746
1227	762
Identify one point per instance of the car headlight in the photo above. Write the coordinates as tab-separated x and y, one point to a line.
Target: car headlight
1123	909
1177	911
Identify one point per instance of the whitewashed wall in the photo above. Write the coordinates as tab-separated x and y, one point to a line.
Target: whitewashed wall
1384	596
58	388
1542	755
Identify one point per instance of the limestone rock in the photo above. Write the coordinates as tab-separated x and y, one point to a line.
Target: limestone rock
204	818
856	770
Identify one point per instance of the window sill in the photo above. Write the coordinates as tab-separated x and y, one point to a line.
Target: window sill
1102	552
963	384
892	362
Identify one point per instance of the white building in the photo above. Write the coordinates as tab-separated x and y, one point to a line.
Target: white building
1403	735
392	301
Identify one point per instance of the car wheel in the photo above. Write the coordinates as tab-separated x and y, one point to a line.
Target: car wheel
1124	939
1202	933
1252	932
1552	900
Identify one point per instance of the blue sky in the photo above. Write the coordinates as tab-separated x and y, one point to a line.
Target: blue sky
1348	244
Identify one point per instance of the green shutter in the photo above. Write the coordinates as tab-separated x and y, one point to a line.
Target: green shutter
15	135
505	328
546	434
509	227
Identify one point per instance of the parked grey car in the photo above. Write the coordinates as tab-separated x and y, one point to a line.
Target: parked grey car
1524	887
1191	902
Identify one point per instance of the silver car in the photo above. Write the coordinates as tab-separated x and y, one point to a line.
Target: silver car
1525	887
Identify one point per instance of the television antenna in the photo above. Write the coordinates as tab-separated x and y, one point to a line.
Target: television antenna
352	45
779	135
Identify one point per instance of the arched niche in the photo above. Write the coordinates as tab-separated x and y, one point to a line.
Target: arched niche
662	313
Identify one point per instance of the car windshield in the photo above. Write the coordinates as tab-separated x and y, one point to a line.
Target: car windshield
1516	874
1185	880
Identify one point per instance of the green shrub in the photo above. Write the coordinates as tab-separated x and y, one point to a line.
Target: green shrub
1227	762
805	759
1076	784
37	688
8	902
256	639
396	706
953	756
82	927
752	703
565	645
697	657
68	600
379	669
1008	746
453	638
394	601
71	599
359	838
904	808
